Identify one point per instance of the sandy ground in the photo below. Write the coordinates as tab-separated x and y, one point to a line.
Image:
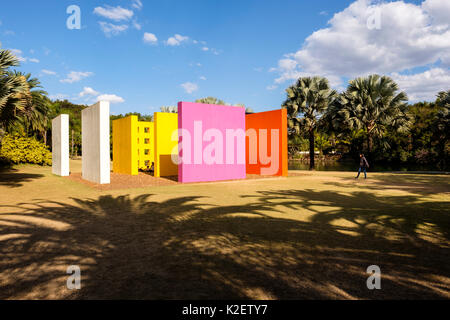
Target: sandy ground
309	236
142	180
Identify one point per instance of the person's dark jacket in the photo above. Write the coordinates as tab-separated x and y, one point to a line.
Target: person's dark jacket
363	162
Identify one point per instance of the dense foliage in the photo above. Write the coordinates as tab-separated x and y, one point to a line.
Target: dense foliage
17	149
372	116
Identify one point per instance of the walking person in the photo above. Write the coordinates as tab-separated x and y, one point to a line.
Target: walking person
363	164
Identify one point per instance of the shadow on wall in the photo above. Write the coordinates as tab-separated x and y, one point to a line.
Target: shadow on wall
11	178
185	248
167	167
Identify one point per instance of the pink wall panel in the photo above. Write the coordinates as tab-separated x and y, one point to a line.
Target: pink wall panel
211	142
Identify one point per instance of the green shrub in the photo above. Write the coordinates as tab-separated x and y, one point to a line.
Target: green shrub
17	149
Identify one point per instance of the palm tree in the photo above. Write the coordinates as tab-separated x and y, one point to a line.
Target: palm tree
34	118
443	99
306	102
372	104
211	100
14	90
169	109
441	127
248	110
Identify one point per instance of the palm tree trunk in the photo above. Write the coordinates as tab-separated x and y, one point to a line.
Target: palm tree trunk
369	146
311	149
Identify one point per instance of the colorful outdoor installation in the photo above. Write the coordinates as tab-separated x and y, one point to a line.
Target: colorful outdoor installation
203	142
211	142
166	144
133	145
266	144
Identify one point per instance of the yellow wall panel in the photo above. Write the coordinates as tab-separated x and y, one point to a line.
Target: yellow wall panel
146	144
165	124
125	152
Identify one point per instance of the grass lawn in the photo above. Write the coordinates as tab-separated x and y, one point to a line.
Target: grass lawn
306	237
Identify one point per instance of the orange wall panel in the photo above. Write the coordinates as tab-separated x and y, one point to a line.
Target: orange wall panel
266	143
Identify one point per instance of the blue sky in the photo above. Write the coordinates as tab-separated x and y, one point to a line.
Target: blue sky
245	51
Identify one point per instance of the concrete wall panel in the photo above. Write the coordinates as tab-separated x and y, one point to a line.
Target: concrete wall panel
60	145
95	143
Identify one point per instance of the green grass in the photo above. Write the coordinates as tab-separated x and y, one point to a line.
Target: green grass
306	237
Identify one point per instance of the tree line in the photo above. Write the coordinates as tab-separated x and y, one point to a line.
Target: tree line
370	116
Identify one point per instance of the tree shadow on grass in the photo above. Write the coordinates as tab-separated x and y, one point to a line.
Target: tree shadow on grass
416	184
286	244
11	178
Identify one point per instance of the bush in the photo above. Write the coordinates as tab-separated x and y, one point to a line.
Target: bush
17	149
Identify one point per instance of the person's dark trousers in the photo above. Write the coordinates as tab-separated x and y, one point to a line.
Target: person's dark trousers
359	171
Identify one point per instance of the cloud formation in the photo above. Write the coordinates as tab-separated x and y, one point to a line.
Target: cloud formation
76	76
110	29
176	40
48	72
112	98
405	36
88	91
114	13
189	87
150	38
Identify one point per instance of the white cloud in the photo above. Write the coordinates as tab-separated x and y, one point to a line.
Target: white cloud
425	85
48	72
202	78
150	38
215	51
110	29
271	87
409	36
176	40
88	91
58	96
112	98
19	55
189	87
75	76
137	25
137	4
439	10
205	48
114	13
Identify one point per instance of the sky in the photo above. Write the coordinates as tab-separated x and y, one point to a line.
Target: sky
141	54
